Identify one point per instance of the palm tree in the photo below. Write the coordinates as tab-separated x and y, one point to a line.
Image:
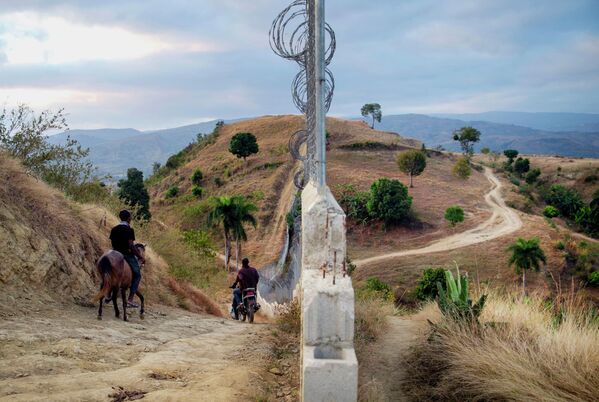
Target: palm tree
223	213
526	254
243	212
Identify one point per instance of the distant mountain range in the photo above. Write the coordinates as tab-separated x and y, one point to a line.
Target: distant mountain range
435	131
113	151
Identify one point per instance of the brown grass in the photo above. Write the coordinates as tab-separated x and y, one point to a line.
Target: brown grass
200	302
518	353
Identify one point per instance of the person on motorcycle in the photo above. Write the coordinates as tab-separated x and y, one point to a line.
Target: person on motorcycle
247	277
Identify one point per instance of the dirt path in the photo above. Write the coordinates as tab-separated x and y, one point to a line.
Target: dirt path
503	221
63	353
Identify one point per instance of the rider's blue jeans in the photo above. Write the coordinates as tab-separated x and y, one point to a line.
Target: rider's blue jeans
236	299
136	270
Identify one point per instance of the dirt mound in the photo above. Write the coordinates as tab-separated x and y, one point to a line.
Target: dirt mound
46	244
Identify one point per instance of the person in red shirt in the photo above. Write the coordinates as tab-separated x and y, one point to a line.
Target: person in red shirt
247	278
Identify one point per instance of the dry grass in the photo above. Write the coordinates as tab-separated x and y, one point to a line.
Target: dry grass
519	352
200	303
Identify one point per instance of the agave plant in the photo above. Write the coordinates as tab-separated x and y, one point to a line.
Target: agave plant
455	302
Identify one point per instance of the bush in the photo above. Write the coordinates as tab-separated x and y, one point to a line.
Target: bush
454	300
375	288
200	242
533	175
354	202
174	161
462	168
172	192
514	181
566	200
454	214
521	166
427	285
389	201
593	279
196	177
559	245
197	191
218	182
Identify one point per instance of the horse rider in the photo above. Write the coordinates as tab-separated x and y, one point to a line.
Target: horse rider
122	237
247	278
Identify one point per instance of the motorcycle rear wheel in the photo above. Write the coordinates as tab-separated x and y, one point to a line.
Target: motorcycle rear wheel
251	314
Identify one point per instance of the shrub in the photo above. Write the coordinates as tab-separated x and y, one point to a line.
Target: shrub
593	279
566	200
197	191
174	161
521	166
427	284
533	175
389	201
200	242
375	288
349	266
354	202
454	214
514	181
172	192
196	177
559	245
462	168
218	182
454	300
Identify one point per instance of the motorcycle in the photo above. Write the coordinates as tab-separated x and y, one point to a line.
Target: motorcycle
248	306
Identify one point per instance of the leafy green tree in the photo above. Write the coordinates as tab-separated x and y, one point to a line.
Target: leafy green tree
197	177
567	200
133	192
23	136
485	151
389	201
243	145
454	215
412	163
533	175
462	168
155	167
374	110
521	166
467	137
510	154
199	241
526	255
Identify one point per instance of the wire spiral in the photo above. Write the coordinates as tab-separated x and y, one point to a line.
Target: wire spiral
292	37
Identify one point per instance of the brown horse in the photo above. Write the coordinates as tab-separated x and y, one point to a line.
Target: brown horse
116	274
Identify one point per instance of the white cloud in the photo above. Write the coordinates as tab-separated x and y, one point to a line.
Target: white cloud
30	38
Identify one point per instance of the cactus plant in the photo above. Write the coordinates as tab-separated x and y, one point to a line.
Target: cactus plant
455	302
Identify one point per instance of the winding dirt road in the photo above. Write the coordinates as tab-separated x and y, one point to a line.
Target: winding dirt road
503	221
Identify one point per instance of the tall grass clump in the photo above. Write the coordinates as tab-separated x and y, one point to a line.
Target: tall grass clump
519	352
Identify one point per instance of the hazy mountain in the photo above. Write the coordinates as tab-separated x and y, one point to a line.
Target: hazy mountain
435	131
113	151
583	122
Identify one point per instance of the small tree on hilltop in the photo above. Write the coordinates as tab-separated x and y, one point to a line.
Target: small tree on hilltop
389	201
374	110
454	215
243	145
462	168
526	254
133	192
412	163
510	154
467	137
485	151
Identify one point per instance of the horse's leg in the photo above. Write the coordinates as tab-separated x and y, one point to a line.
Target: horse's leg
124	297
101	302
114	302
141	309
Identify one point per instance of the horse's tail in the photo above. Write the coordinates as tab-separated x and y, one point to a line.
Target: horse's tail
105	268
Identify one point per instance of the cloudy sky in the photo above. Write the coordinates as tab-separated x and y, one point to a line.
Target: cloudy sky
153	63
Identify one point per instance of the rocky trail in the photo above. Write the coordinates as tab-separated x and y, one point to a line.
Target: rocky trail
504	220
63	353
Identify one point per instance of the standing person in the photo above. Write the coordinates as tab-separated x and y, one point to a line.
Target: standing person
247	277
122	237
